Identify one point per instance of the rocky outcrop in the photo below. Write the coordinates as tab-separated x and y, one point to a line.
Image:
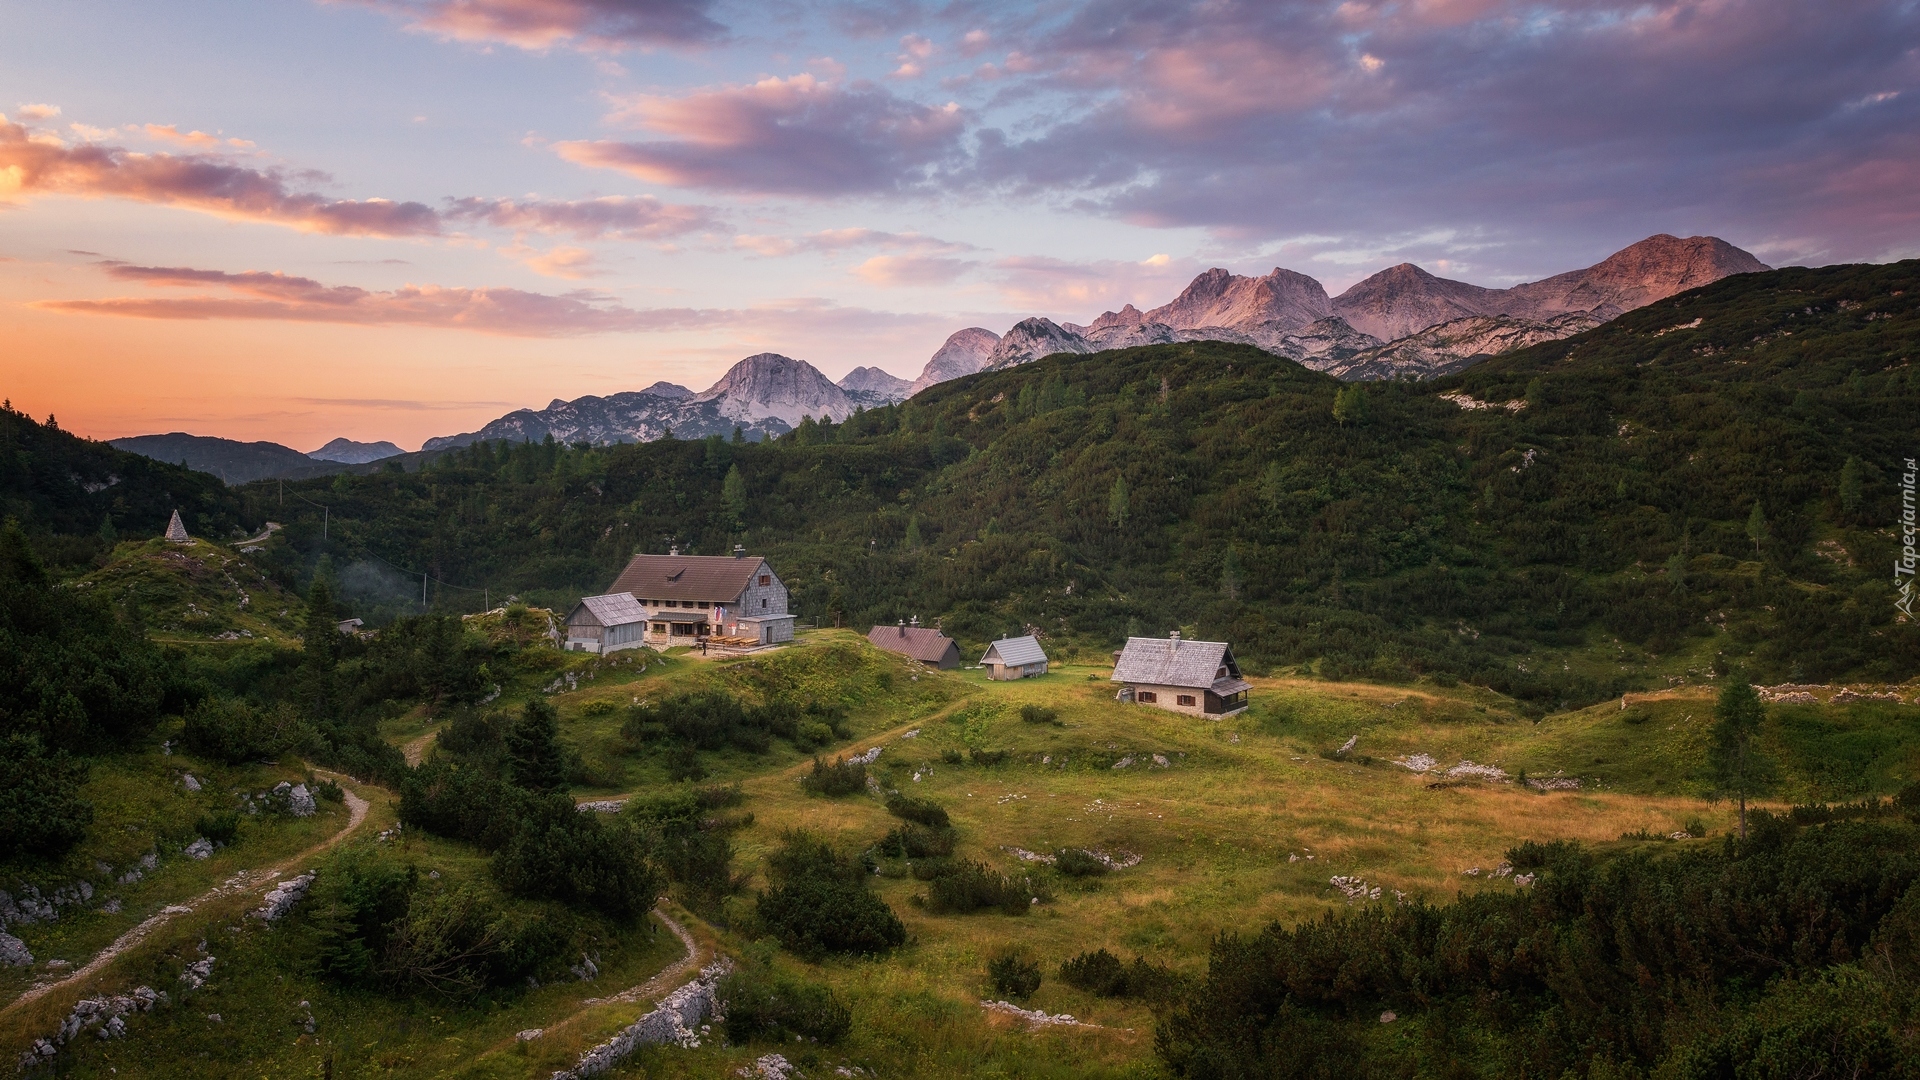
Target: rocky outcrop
770	386
1441	350
963	353
1282	299
1405	299
1644	273
348	452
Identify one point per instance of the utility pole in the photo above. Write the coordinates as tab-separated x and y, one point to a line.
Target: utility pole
423	590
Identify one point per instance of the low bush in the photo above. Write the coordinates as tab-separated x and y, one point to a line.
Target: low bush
916	842
1075	862
952	757
478	737
967	886
988	757
41	811
233	731
1100	972
761	1005
599	708
1039	714
462	801
220	826
924	811
1014	974
330	791
561	854
820	902
843	777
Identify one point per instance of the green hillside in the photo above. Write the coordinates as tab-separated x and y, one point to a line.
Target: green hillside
1705	481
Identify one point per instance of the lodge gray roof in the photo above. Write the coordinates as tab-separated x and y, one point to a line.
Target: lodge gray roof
1016	651
709	579
1175	662
612	609
923	643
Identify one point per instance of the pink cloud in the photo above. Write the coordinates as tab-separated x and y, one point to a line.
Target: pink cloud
193	140
544	24
799	136
896	270
36	164
259	295
614	217
836	240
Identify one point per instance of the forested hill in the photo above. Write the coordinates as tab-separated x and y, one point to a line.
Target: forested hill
74	495
1593	527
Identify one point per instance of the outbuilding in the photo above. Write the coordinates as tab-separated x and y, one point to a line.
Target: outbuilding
1200	678
605	624
1015	658
923	643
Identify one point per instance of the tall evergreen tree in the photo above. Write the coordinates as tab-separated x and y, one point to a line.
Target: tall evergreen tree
534	760
1757	527
733	495
1739	767
1852	488
1119	507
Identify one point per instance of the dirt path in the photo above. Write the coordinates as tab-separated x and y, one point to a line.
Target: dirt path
240	883
668	977
416	750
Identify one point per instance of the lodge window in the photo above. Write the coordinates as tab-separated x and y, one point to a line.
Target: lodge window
1184	699
1147	697
766	579
763	605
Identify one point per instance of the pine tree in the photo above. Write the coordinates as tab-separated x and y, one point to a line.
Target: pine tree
913	533
733	495
1119	506
322	630
1739	767
534	760
1852	488
1757	527
1230	577
1350	406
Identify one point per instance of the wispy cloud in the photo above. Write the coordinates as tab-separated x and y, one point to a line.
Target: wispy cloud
546	24
836	240
800	135
36	163
614	217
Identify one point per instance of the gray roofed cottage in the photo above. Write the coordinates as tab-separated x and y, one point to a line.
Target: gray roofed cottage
605	624
1197	677
1015	658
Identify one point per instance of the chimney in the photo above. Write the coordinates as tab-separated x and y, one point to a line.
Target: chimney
1173	641
903	628
739	552
916	622
674	550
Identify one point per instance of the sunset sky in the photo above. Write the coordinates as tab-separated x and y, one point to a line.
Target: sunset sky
394	219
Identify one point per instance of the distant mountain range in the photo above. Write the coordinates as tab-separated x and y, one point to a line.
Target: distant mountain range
1401	321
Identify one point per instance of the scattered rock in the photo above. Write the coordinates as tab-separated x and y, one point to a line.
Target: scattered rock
197	973
1034	1018
1160	761
601	806
1417	762
300	801
190	783
1347	747
14	952
529	1035
1389	1016
201	848
1123	762
675	1021
867	758
1354	888
768	1067
283	896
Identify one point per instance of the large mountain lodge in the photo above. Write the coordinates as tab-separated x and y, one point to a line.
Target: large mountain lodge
675	599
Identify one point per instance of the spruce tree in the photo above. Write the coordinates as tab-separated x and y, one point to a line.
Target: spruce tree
1852	489
534	760
733	495
1119	507
1739	767
1757	527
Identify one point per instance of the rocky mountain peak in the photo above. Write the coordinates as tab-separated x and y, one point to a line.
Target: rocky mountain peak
1639	274
963	353
1405	299
670	391
771	385
870	386
1282	300
1031	339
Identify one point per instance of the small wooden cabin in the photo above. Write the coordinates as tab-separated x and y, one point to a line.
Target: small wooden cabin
605	624
1015	658
1200	678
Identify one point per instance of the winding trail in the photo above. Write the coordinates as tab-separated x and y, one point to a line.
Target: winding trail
240	883
668	977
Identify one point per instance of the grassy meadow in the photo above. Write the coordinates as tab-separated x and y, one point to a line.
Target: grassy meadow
1235	822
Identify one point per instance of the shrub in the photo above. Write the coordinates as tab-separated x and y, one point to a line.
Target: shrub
534	758
683	763
233	731
843	777
41	811
1014	974
924	811
988	757
480	737
598	708
970	886
461	801
761	1005
1075	862
1037	714
1100	972
916	842
812	735
330	790
561	854
221	826
952	757
820	902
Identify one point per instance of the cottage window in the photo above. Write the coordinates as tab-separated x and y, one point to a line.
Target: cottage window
766	579
1146	697
1184	699
763	605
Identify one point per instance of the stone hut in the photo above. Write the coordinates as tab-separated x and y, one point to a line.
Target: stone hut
1200	678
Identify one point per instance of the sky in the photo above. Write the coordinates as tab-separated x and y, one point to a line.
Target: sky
395	219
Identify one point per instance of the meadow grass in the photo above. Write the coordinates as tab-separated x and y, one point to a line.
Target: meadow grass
1244	823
